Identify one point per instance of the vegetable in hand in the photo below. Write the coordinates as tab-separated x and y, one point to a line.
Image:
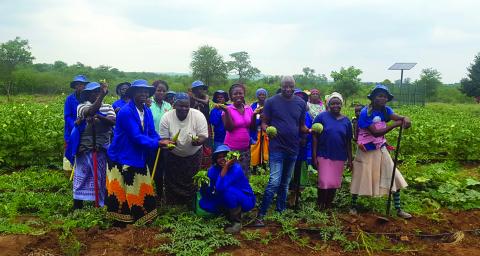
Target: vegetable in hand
194	138
175	138
232	155
317	128
271	131
201	178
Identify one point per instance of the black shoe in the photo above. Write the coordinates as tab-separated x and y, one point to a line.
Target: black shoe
258	223
77	204
119	224
234	228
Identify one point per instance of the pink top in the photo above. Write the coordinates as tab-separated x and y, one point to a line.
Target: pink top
239	137
365	137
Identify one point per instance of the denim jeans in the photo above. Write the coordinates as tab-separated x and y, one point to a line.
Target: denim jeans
281	168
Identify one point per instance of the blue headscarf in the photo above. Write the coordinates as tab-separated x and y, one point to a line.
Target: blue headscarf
181	96
260	90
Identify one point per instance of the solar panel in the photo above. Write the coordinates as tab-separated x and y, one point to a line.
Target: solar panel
402	66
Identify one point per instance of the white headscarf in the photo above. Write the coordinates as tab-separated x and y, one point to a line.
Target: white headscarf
334	95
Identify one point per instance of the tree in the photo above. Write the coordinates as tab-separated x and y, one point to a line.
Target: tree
208	66
308	72
346	81
60	65
12	54
309	78
470	86
430	78
242	67
387	82
406	81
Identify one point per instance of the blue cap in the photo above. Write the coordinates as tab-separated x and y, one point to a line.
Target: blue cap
170	93
88	89
197	83
140	83
78	79
380	87
92	86
220	149
217	92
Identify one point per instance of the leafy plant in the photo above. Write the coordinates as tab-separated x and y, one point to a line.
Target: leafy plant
201	178
189	234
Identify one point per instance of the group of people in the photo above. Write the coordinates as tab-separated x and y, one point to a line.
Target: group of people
151	142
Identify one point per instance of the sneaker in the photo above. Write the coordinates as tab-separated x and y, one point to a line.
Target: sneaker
259	223
353	211
234	228
403	214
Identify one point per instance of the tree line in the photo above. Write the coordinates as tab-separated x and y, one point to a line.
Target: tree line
19	75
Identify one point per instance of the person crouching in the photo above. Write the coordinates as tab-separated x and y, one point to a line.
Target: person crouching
229	191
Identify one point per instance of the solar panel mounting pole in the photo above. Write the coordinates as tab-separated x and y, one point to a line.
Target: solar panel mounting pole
401	77
402	66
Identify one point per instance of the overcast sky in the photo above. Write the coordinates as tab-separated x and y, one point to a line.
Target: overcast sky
281	37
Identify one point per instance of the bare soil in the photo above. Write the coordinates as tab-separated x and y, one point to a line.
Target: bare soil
420	235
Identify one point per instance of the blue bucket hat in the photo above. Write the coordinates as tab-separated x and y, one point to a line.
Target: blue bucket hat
380	87
198	83
78	79
140	83
304	94
117	89
218	92
220	149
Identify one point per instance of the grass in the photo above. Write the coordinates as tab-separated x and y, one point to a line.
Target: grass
37	200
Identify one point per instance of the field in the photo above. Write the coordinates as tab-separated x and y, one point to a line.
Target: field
440	158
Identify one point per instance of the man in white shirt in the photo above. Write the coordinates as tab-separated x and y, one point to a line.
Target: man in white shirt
183	161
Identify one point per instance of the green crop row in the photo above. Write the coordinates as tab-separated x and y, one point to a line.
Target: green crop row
31	132
440	132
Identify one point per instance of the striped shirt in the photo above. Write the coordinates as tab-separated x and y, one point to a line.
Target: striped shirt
105	109
103	130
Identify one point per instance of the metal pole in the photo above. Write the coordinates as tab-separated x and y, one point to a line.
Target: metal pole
95	163
397	150
401	78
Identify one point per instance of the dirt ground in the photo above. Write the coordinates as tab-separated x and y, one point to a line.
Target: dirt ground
415	234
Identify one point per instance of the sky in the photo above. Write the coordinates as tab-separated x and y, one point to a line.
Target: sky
281	37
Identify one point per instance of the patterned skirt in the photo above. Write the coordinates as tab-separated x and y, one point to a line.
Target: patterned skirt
83	180
179	187
131	197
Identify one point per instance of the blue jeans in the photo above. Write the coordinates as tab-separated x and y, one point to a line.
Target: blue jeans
281	168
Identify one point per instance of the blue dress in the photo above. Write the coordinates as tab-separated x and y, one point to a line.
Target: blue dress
119	104
305	153
70	114
133	143
219	131
227	192
333	141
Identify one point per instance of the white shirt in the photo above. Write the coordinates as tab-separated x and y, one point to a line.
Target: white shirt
141	114
194	124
